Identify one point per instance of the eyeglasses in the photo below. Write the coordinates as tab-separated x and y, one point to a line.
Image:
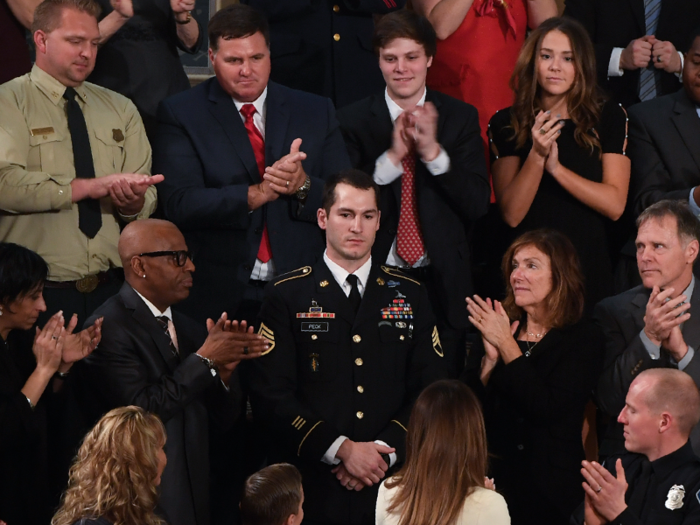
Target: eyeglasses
179	256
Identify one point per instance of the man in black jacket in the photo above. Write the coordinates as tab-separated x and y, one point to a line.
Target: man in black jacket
424	150
164	362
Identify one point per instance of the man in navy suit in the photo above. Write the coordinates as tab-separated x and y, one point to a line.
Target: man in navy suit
245	162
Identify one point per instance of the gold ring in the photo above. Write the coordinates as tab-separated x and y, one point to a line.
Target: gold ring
599	489
542	131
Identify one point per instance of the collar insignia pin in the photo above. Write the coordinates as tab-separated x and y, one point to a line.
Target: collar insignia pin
323	284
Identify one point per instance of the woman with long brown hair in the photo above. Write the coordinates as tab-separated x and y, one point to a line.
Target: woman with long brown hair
540	365
443	480
558	154
115	477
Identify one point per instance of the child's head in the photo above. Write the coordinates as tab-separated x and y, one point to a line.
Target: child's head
273	496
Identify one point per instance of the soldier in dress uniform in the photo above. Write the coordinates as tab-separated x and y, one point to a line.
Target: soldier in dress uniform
352	344
658	481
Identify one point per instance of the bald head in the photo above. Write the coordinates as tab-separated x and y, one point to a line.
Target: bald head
670	390
147	235
159	277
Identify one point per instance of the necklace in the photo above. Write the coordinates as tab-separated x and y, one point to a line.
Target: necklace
532	344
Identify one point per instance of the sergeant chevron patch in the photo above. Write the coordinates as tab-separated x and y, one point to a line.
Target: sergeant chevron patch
436	342
269	335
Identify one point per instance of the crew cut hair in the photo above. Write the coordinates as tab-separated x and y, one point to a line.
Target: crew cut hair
674	392
404	24
237	21
47	15
688	228
352	177
271	495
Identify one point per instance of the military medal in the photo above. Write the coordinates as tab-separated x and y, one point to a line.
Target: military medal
315	312
393	284
674	498
398	309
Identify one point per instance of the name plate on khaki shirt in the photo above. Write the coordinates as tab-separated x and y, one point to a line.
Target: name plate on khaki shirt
41	131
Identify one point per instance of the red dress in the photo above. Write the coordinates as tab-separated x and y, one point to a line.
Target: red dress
474	64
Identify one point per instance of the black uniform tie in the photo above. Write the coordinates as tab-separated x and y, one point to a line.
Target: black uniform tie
355	298
89	217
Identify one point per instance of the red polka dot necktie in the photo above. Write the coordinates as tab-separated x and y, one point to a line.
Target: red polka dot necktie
409	240
258	143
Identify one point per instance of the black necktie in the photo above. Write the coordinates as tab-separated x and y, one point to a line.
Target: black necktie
163	322
643	483
89	216
354	297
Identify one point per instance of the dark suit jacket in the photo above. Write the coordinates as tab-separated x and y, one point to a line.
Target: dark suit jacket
534	408
622	319
306	56
134	365
204	152
352	375
615	23
664	146
448	204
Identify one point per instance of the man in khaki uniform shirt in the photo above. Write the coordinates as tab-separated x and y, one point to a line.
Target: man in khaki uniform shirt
39	190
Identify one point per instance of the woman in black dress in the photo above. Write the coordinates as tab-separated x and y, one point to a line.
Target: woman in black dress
116	473
33	367
558	154
540	365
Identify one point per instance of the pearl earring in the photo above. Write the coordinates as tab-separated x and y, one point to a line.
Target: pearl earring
144	276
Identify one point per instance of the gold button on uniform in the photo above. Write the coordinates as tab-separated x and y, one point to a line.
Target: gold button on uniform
336	37
360	389
336	8
358	361
314	337
356	338
360	415
401	337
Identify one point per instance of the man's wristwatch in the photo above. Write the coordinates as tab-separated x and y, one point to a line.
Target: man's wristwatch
210	363
303	191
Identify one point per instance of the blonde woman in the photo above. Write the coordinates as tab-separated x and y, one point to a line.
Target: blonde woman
115	476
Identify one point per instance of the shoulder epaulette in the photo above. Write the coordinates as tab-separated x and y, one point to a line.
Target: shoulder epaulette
294	274
395	272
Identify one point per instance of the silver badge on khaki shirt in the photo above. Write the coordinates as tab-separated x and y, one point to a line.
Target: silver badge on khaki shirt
674	499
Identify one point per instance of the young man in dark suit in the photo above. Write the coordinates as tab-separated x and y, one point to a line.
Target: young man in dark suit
165	362
664	142
424	151
244	161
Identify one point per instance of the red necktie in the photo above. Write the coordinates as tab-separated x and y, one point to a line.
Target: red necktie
258	143
409	240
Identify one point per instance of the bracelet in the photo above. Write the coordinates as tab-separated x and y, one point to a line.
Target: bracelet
31	405
186	20
211	364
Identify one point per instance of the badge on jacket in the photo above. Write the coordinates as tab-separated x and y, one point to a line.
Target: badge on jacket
674	498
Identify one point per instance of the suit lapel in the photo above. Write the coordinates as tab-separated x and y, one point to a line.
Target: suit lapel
276	124
330	293
382	127
691	329
224	111
687	123
145	318
638	11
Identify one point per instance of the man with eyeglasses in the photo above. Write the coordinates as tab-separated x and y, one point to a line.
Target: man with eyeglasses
163	361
